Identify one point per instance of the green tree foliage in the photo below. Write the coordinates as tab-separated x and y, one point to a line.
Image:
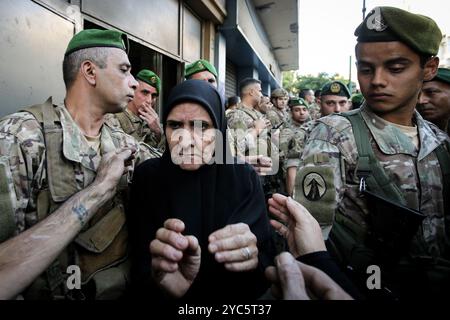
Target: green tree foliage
295	83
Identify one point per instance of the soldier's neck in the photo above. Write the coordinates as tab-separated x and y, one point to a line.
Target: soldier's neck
133	108
85	114
403	116
248	103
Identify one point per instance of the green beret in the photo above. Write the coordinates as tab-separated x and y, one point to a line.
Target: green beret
293	102
443	75
279	93
385	24
150	78
335	88
199	66
92	38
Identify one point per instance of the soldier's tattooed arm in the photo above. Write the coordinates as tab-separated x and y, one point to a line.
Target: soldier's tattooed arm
24	257
81	212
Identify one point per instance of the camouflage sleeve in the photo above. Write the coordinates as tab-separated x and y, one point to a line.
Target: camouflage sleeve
237	119
238	125
147	152
321	176
151	139
273	118
143	150
295	148
286	136
22	151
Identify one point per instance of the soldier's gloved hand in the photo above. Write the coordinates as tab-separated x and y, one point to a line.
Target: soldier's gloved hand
235	247
113	165
293	280
296	225
175	258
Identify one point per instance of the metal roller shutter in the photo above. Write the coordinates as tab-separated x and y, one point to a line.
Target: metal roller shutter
231	80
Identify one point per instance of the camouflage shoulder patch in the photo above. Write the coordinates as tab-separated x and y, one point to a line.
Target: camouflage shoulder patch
338	122
315	189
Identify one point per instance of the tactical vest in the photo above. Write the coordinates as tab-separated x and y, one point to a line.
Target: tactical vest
357	254
100	249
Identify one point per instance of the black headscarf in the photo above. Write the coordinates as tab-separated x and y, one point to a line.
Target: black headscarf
206	200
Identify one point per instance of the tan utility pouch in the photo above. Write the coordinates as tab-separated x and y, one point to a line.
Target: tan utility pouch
103	244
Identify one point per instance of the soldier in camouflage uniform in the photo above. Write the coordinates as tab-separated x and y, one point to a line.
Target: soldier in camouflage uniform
368	173
434	101
334	96
140	119
246	120
292	140
251	132
62	182
264	106
278	115
308	96
201	70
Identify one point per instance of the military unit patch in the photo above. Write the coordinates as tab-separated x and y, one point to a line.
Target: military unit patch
314	186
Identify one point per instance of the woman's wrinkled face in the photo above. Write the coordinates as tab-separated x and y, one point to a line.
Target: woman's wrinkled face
190	135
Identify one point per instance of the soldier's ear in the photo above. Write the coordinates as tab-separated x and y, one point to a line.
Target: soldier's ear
431	69
88	71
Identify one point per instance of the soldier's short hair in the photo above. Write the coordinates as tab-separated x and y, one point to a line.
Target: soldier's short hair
233	101
73	61
305	92
244	84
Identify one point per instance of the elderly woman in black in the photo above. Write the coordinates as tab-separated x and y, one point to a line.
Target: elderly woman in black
198	222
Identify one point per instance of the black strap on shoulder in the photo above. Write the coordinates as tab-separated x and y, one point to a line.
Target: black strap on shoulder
248	113
443	156
368	168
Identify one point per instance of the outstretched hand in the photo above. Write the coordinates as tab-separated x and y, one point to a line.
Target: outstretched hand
296	225
293	280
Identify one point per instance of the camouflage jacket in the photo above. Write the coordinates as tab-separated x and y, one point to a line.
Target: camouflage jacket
330	157
136	127
278	118
24	159
314	111
240	121
23	151
292	140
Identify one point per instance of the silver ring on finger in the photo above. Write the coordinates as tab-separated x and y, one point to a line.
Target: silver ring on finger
247	253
